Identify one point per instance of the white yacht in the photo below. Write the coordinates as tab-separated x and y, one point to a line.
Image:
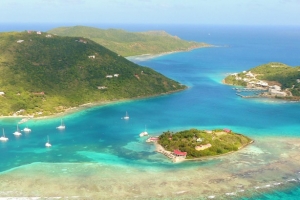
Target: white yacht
126	116
62	126
17	132
27	130
144	133
48	142
3	138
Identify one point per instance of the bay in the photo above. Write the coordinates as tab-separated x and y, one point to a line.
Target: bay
100	135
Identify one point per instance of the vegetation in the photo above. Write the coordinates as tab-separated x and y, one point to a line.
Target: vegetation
187	141
274	73
46	74
130	43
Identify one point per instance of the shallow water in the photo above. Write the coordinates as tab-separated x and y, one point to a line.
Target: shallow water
100	155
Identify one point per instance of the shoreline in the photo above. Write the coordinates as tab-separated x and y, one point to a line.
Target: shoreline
82	107
266	96
160	149
151	56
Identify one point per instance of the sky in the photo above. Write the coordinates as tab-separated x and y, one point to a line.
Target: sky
204	12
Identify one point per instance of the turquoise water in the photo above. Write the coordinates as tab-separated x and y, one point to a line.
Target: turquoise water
99	134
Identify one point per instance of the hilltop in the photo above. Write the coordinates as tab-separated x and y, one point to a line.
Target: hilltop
278	80
130	43
43	74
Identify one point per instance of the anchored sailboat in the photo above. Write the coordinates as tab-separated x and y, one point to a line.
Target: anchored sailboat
3	138
48	142
27	130
126	116
17	132
144	133
62	125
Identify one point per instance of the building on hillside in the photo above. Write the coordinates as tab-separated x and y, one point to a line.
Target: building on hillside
109	76
92	56
20	41
102	87
227	130
2	93
116	75
39	32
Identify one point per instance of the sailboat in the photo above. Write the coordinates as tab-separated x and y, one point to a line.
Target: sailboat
62	125
27	130
48	142
126	116
17	132
3	138
145	133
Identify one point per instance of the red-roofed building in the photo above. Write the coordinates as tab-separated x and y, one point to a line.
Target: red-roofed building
227	130
179	153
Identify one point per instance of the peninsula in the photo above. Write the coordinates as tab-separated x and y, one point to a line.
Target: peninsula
198	144
272	80
131	43
43	74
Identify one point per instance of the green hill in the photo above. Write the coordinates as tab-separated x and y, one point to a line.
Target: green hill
130	43
42	73
287	77
201	143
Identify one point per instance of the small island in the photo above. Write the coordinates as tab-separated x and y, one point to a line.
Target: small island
272	80
198	144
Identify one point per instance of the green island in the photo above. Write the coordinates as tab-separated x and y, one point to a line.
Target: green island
130	43
198	144
43	74
273	80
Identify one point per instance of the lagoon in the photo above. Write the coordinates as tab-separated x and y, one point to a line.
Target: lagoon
100	155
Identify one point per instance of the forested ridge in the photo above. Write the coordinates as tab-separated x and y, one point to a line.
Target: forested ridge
45	74
131	43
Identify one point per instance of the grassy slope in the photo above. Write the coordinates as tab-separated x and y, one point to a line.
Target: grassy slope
130	43
60	67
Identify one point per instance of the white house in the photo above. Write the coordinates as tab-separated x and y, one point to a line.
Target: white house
48	36
102	87
275	87
39	32
2	93
250	74
109	76
277	93
20	41
116	75
92	56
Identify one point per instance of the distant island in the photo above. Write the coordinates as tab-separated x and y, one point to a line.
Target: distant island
198	144
272	80
43	74
130	43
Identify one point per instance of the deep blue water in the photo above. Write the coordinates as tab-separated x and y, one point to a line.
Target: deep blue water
100	135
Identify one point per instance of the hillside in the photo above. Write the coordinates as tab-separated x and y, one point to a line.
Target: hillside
281	80
45	74
130	43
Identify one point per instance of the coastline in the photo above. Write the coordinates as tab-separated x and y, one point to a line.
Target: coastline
87	106
151	56
264	95
162	150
